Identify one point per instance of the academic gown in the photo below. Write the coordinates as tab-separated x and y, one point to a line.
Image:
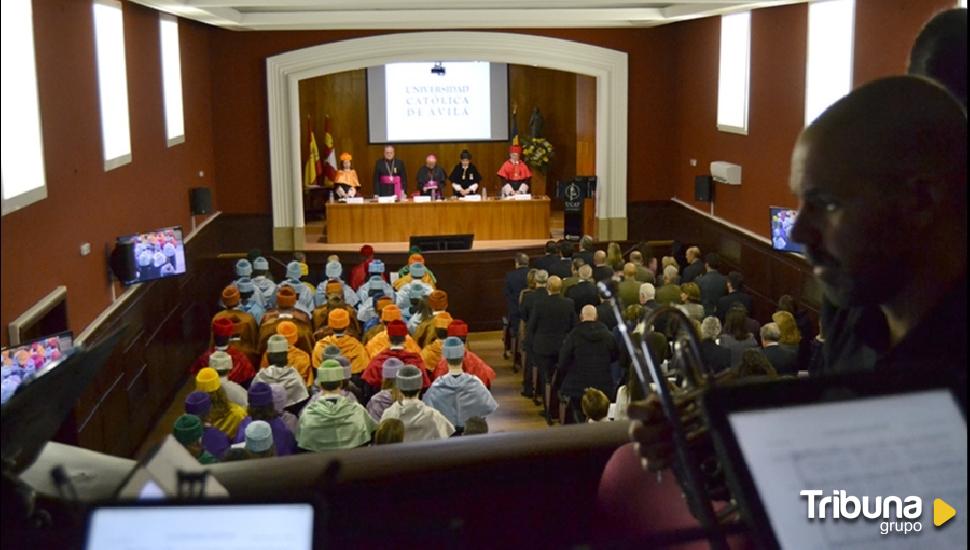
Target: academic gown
388	168
515	173
228	423
379	402
267	289
460	397
289	378
320	296
374	373
431	354
404	297
234	392
472	364
350	347
363	291
242	369
466	178
283	438
304	294
382	341
214	441
299	360
421	422
334	423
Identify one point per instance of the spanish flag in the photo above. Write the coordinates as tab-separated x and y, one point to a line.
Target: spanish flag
314	167
515	125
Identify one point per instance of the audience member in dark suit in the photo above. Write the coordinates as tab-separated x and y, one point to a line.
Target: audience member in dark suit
694	267
546	260
806	327
713	355
563	268
784	359
584	361
736	336
526	307
585	250
515	282
735	295
713	284
669	293
573	278
584	292
601	271
550	321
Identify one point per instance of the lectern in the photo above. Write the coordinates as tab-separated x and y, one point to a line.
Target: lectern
574	194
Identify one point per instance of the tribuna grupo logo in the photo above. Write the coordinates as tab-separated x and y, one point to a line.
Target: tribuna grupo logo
897	515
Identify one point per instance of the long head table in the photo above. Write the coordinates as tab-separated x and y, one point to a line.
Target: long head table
391	222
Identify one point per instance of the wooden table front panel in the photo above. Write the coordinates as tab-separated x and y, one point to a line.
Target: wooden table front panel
488	220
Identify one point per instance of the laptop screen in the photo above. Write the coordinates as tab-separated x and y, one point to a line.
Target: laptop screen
863	465
208	527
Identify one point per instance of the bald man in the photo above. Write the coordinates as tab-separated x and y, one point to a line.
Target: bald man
549	322
601	271
940	52
584	362
881	180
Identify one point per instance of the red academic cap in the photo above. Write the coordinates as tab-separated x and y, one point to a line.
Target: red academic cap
222	327
458	328
397	328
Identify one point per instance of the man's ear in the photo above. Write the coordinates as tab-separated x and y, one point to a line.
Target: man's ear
927	195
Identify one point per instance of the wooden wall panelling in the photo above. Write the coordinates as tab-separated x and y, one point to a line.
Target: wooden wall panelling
343	96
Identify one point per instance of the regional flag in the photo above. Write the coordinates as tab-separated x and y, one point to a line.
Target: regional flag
329	169
313	166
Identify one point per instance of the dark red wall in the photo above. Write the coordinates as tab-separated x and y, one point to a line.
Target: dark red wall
84	203
884	33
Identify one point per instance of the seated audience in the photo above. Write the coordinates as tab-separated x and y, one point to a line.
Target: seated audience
223	414
188	431
457	394
595	405
242	370
333	421
261	407
398	335
421	422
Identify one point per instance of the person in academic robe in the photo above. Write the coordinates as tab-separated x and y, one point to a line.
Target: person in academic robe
286	310
278	372
349	389
415	257
242	368
515	174
334	270
417	273
350	347
383	340
372	318
213	440
361	272
457	394
264	282
346	179
375	270
188	431
261	407
421	325
431	352
279	403
398	333
471	362
333	421
421	422
222	363
250	301
390	176
295	357
465	179
224	414
380	401
431	178
304	291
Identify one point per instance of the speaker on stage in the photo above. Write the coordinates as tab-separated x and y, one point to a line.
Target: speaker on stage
704	188
200	201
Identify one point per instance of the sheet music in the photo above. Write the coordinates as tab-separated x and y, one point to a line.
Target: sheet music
903	445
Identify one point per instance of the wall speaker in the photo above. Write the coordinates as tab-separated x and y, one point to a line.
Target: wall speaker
200	200
704	188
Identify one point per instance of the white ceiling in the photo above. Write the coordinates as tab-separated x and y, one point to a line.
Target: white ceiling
436	15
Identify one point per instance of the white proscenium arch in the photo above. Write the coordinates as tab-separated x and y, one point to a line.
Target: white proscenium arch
284	71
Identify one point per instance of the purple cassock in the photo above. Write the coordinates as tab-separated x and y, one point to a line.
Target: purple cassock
283	438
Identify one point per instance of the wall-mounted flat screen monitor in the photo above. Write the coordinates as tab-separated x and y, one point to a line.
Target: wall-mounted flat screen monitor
782	221
154	255
438	102
21	364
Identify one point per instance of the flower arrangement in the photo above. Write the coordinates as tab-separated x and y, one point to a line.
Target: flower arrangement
536	152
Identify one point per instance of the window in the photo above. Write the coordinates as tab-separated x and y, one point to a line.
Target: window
733	73
109	38
23	180
171	79
829	73
962	3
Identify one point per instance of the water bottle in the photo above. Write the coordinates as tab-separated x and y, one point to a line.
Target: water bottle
484	192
